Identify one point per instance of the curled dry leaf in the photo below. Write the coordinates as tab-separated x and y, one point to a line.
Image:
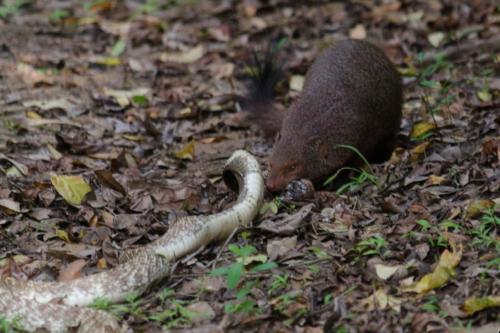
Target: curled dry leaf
444	270
72	271
475	304
380	300
420	129
186	152
9	206
193	55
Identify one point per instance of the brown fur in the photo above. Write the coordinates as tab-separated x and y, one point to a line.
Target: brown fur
352	95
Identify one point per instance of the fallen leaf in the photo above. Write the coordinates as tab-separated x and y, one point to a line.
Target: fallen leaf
200	312
72	271
107	61
419	150
435	180
380	300
476	207
289	223
21	167
421	128
62	234
10	206
72	188
385	272
474	304
187	57
358	32
279	248
444	270
297	82
125	97
58	103
106	177
436	38
102	263
186	152
484	95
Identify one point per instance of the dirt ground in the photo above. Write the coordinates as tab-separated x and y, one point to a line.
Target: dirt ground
141	99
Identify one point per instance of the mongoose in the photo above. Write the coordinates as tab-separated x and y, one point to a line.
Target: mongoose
352	95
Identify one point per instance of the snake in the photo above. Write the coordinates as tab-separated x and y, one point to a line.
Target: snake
63	306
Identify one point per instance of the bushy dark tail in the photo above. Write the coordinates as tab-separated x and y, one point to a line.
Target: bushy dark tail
265	74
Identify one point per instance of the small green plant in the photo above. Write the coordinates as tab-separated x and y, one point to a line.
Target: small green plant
176	315
10	326
450	225
362	175
280	282
118	48
101	303
11	7
58	15
438	241
424	224
282	304
131	307
165	294
485	234
434	236
440	64
494	263
274	206
237	271
374	245
431	304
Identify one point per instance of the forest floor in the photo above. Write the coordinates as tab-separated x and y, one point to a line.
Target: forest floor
140	99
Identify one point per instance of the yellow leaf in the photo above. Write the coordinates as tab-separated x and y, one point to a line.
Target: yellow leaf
358	32
54	152
72	188
102	264
297	82
380	300
476	207
108	61
417	151
13	172
33	115
484	95
258	258
63	235
436	38
133	137
384	272
475	304
444	270
123	97
435	180
187	152
187	57
186	112
21	167
421	128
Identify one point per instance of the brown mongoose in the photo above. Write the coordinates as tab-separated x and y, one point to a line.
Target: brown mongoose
352	95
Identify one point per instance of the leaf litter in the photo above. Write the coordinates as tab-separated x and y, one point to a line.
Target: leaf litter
138	101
